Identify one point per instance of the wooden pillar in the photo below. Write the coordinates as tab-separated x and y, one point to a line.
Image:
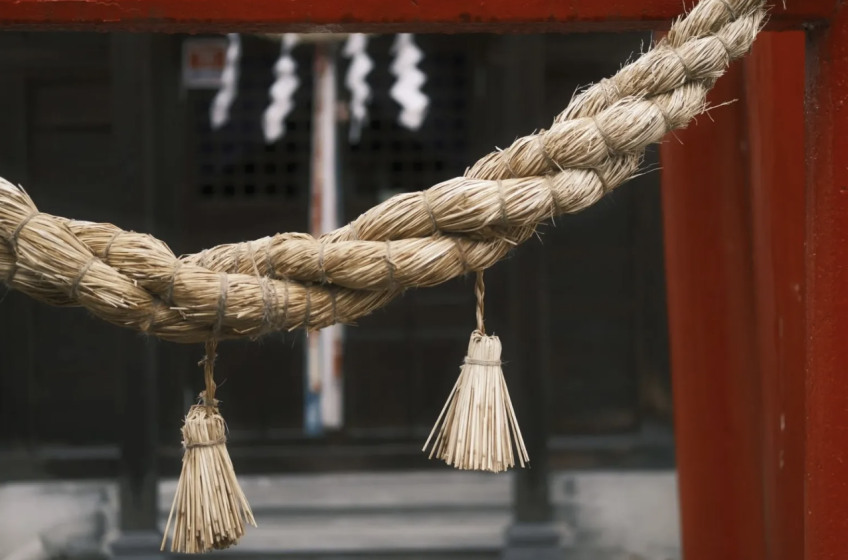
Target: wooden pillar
716	385
133	117
825	504
323	382
775	73
756	244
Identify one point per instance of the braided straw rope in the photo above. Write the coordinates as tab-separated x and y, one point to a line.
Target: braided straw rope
415	239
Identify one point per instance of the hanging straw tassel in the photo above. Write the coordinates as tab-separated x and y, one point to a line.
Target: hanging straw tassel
479	428
209	504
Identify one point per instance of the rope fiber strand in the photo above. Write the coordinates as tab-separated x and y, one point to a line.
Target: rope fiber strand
468	223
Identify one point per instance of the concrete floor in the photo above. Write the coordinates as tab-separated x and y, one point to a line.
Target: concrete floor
445	514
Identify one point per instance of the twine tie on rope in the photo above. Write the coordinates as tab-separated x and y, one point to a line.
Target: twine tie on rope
307	309
507	162
541	144
219	441
169	294
270	269
430	212
556	207
222	304
503	210
609	90
390	266
285	301
489	363
75	285
323	277
268	294
464	264
13	243
105	254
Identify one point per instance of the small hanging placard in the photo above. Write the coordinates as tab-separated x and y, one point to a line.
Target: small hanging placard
203	62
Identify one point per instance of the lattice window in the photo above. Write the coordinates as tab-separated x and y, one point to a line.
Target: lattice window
390	158
234	162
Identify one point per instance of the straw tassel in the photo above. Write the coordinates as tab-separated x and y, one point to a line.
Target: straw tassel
209	509
479	428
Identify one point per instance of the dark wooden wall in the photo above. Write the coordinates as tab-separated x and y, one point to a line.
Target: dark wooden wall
59	366
70	134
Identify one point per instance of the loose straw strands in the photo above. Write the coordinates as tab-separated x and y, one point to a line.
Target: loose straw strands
477	427
209	510
483	208
697	49
628	126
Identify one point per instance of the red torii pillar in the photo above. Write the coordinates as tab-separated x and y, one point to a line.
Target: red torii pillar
755	218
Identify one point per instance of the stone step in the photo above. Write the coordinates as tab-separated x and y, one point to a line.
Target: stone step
388	516
423	535
366	492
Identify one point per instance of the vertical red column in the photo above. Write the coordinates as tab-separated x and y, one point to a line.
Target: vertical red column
826	291
716	384
775	83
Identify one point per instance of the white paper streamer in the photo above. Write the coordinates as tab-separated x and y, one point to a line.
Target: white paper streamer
282	91
220	109
355	81
410	79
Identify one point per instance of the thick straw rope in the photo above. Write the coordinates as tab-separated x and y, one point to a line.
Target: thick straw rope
414	239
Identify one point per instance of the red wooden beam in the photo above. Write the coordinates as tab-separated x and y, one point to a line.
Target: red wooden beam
775	84
826	292
441	16
713	342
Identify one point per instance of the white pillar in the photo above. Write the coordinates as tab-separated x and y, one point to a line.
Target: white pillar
324	398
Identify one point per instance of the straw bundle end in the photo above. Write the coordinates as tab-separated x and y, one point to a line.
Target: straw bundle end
209	510
477	428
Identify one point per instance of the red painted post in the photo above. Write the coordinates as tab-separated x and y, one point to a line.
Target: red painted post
826	291
716	384
775	83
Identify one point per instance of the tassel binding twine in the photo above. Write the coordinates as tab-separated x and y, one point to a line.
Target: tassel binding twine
209	510
479	428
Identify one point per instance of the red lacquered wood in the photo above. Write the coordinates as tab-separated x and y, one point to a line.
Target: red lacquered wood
439	16
716	385
826	292
775	84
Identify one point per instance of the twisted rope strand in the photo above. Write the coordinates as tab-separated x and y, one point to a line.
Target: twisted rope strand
467	223
54	266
